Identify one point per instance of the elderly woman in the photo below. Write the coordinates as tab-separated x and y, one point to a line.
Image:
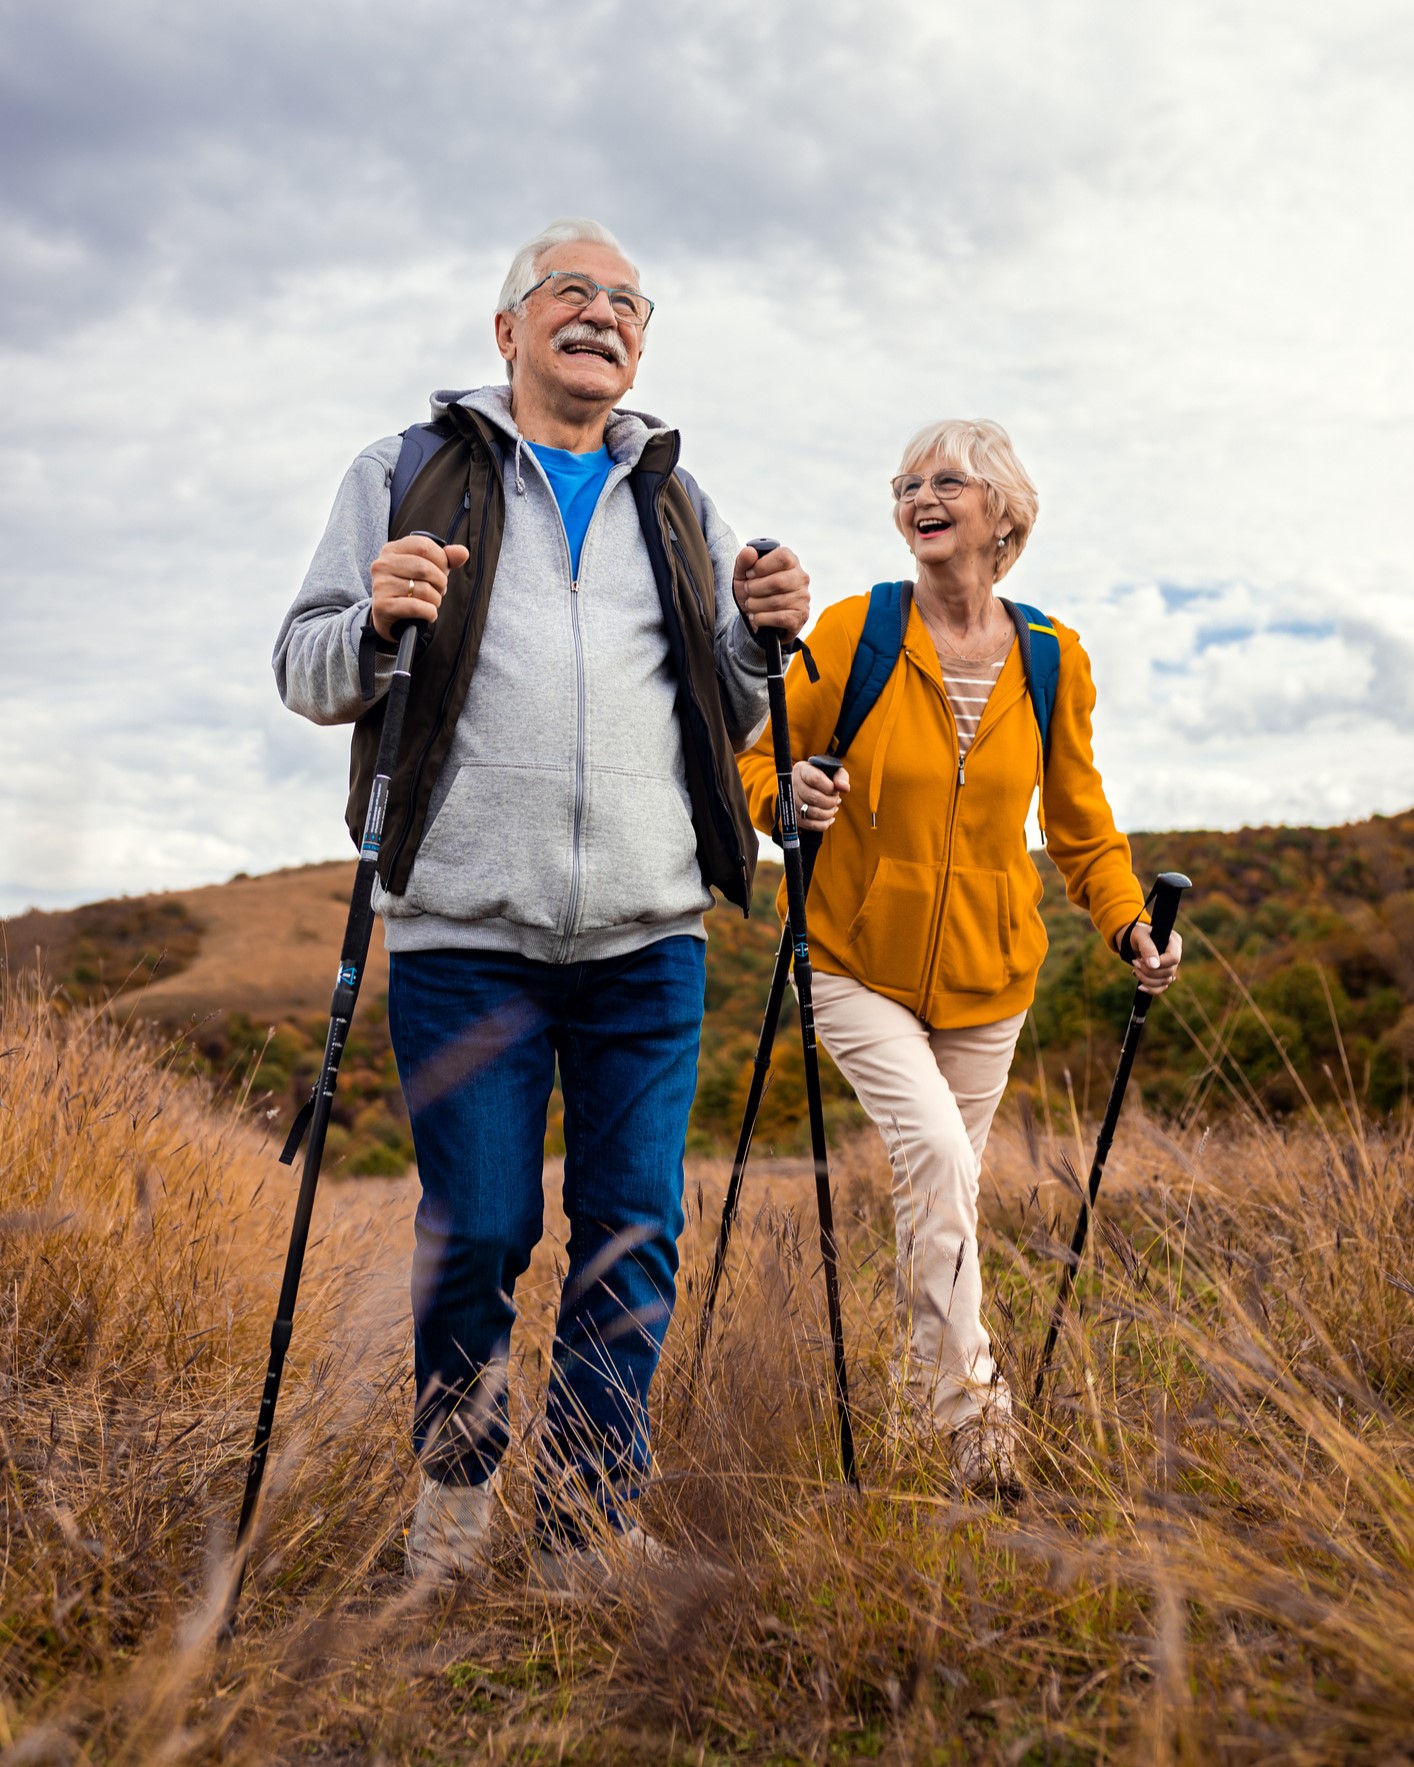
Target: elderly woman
924	922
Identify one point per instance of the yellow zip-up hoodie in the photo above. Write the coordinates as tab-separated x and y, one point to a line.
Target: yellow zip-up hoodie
924	889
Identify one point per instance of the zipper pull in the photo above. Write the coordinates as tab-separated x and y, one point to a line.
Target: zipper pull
961	777
574	585
461	516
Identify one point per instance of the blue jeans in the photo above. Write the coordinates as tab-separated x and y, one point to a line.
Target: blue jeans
477	1035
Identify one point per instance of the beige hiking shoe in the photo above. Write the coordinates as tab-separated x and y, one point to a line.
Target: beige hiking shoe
603	1567
982	1457
451	1528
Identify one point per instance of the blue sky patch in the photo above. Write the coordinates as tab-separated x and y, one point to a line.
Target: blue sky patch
1178	595
1304	628
1212	636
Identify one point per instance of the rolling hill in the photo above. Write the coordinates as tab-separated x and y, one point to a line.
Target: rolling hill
1299	978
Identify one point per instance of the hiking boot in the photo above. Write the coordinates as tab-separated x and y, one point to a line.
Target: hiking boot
601	1567
451	1528
982	1457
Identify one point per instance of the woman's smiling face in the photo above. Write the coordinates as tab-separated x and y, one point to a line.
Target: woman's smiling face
942	529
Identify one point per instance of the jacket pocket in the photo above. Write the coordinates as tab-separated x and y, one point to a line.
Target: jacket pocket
639	853
975	954
1029	942
498	849
888	938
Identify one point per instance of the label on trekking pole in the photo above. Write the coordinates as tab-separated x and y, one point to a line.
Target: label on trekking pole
785	811
373	823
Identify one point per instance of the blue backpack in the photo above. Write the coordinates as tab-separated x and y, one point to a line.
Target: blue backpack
880	642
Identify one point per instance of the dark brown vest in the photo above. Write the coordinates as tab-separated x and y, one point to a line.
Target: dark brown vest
459	494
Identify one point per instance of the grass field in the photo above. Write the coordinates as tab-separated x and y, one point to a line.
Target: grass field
1213	1562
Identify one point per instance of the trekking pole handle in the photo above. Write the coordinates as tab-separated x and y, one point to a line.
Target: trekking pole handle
407	632
767	637
810	840
1165	897
1168	893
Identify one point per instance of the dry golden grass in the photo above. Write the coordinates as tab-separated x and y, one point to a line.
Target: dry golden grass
1213	1563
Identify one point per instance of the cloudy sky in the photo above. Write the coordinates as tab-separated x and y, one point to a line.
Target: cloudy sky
1168	247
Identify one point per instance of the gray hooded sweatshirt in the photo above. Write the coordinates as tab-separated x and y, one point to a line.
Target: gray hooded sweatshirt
560	826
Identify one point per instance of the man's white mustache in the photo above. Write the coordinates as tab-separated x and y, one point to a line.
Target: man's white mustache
602	338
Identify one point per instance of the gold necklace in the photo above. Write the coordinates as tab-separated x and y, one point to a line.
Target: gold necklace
966	656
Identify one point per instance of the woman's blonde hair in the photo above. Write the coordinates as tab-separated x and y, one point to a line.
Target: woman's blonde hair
983	451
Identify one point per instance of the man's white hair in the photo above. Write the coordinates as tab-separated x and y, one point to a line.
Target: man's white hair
524	272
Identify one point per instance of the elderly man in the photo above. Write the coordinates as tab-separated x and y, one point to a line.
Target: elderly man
566	795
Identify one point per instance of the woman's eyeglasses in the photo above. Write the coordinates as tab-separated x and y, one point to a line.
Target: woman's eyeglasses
946	485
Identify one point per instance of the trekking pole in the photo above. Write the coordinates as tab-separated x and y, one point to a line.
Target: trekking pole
314	1117
1165	895
760	1073
770	640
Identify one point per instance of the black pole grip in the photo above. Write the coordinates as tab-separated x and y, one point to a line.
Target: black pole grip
1168	893
391	736
811	838
415	627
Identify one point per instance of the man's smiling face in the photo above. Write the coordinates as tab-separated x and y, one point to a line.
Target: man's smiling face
589	355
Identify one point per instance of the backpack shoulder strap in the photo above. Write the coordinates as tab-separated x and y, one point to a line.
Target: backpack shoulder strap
874	659
420	442
1040	661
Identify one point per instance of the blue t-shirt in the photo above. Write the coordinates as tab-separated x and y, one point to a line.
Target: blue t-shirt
576	480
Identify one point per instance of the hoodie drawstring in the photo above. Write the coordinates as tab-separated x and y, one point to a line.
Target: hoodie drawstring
520	482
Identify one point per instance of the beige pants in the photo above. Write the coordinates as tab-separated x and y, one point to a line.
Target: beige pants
932	1096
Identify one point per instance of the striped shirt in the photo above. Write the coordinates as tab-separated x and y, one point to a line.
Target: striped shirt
969	686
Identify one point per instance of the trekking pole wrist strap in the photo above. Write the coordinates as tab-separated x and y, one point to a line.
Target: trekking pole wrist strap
372	644
789	646
1125	942
298	1130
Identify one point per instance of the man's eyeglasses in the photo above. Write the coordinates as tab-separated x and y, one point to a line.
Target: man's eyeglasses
571	288
946	485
